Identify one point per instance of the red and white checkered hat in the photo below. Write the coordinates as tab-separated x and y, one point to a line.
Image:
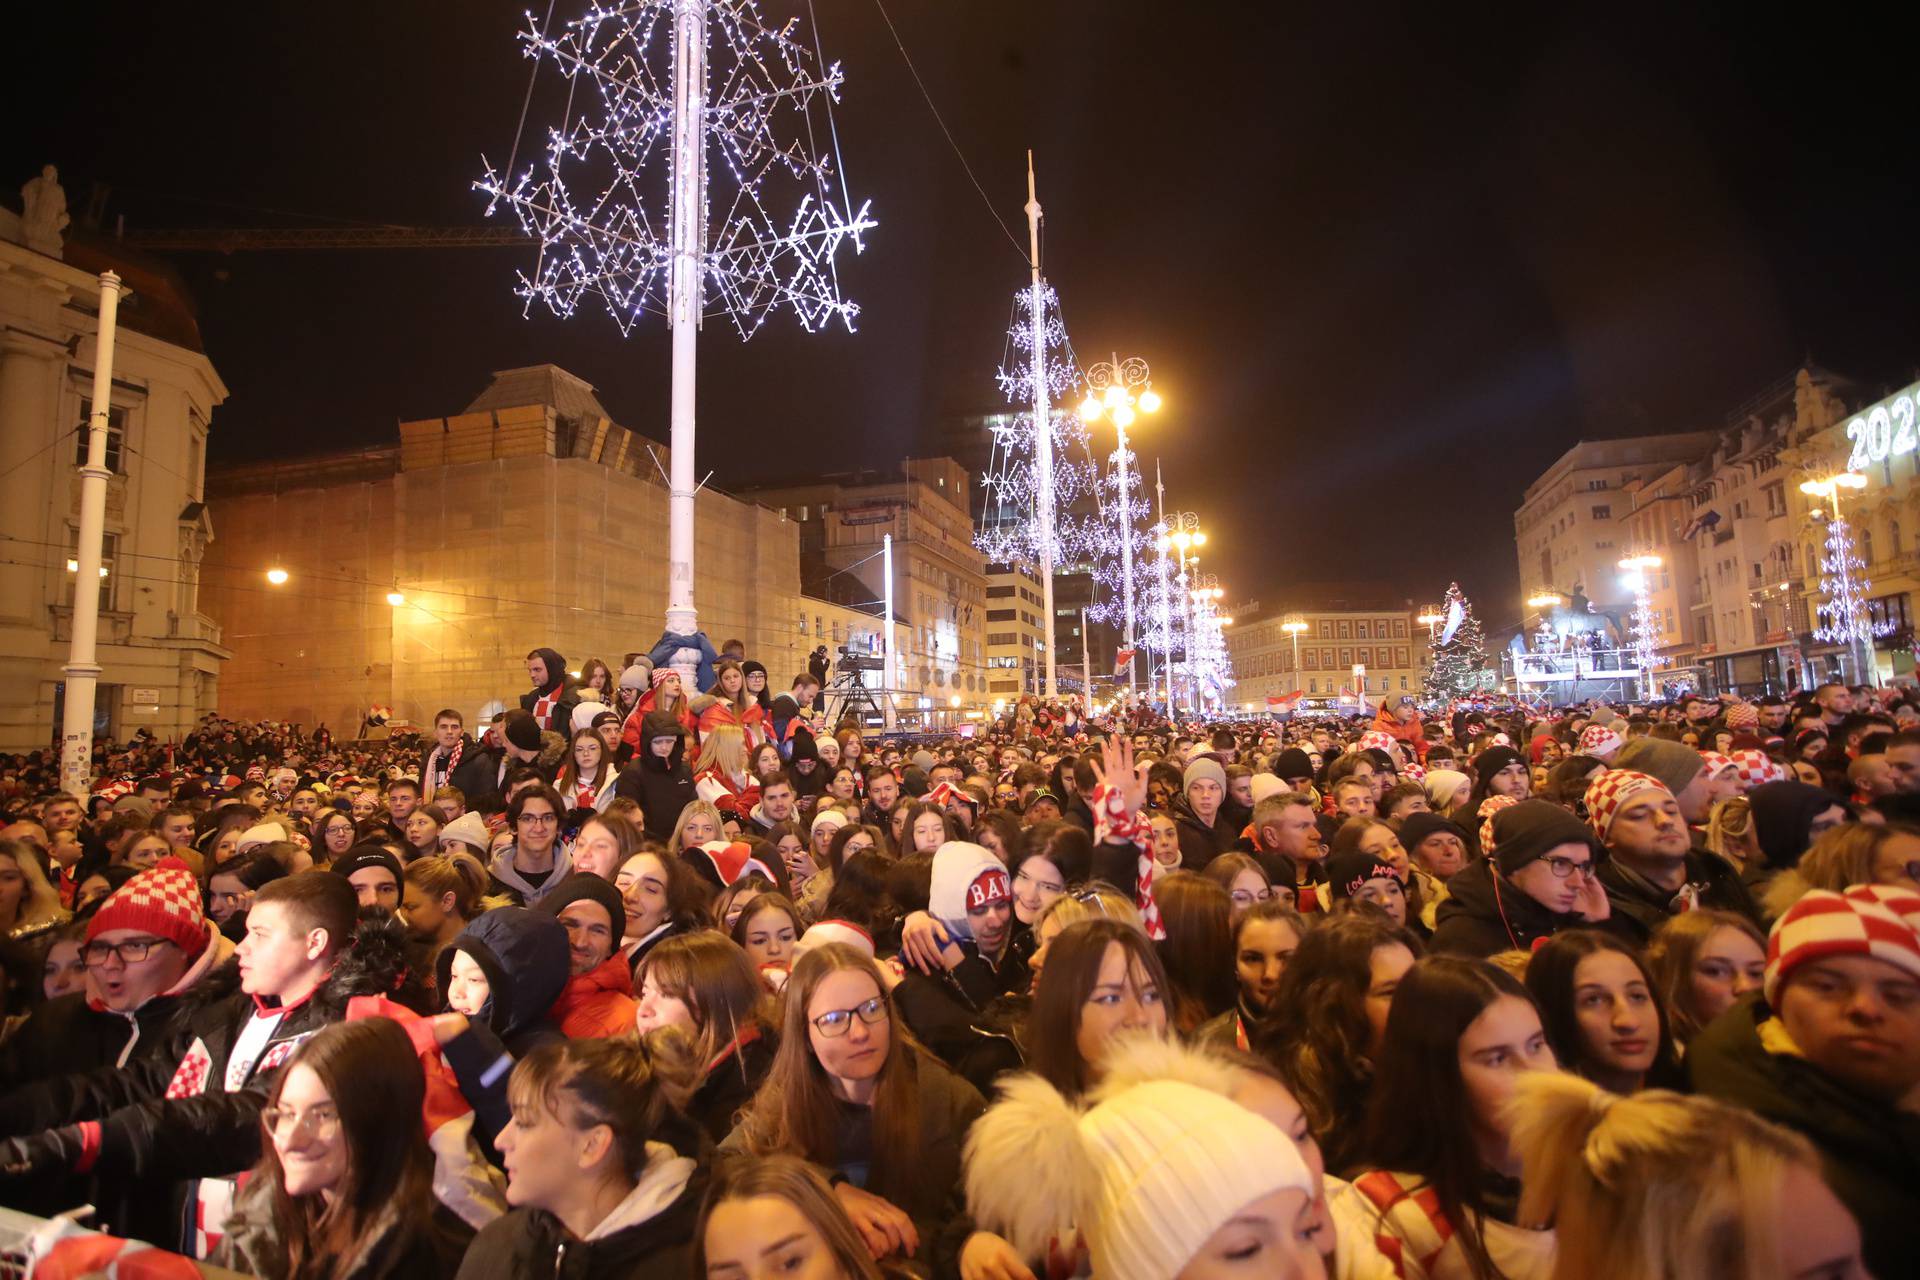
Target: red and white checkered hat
1489	807
1743	715
1902	901
163	901
1609	792
1599	741
1754	767
1863	921
1376	740
1718	764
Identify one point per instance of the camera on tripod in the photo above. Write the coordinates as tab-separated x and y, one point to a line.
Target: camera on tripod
850	661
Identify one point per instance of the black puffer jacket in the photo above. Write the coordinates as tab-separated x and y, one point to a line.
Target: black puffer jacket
1869	1150
1639	908
1199	843
662	788
68	1036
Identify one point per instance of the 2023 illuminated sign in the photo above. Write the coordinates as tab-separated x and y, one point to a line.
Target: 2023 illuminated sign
1884	431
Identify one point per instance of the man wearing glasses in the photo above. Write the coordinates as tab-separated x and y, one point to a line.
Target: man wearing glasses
146	947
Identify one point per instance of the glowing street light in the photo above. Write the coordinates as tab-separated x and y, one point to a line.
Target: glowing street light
277	576
395	598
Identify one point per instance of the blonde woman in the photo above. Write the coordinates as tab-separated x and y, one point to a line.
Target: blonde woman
1851	854
1664	1187
699	822
720	771
1730	833
28	900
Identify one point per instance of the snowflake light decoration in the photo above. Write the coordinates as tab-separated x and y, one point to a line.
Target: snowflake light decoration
1844	582
600	202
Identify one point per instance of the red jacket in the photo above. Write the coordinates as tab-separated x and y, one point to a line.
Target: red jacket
630	731
715	711
598	1004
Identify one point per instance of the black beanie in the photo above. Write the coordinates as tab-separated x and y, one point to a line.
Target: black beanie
1492	761
522	730
584	886
1346	872
1291	764
1525	832
1783	814
1416	827
359	859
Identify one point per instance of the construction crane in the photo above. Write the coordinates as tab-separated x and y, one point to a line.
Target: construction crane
250	239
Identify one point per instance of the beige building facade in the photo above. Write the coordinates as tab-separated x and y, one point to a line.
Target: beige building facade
160	653
530	519
1318	663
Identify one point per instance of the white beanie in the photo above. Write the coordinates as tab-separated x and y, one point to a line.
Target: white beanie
1265	785
470	829
957	867
1146	1176
1441	784
268	832
822	932
828	818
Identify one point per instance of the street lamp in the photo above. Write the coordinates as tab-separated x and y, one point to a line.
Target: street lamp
1110	385
1637	570
1178	531
277	576
1293	626
1844	580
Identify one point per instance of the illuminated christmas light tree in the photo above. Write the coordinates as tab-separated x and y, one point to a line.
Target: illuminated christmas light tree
1844	582
1458	649
675	111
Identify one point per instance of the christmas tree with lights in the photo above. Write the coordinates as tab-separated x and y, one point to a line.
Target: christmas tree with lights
1458	651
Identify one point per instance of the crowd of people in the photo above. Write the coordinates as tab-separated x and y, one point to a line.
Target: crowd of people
658	973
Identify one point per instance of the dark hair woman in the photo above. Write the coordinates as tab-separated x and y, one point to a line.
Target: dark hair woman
1102	978
1264	939
766	930
344	1186
1601	1012
1437	1139
703	983
1324	1023
1198	948
594	1171
852	1093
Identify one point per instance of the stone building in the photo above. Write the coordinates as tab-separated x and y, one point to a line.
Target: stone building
420	573
1340	635
160	654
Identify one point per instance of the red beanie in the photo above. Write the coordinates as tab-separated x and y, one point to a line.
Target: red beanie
163	901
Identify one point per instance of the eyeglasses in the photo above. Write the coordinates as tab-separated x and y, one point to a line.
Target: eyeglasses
835	1023
132	951
1044	886
322	1122
1564	867
538	819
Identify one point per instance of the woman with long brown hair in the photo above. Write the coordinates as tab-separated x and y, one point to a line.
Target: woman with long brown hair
729	703
344	1187
587	778
852	1092
703	983
1198	948
781	1208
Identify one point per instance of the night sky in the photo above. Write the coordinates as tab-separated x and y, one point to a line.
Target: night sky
1386	264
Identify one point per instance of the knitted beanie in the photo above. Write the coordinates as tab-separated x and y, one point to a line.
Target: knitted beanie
1489	807
1525	832
1146	1175
522	730
639	676
1442	784
584	886
469	829
1855	923
1293	763
1716	764
1203	767
1599	741
832	819
364	858
1610	791
663	674
1492	761
1265	785
1346	872
260	833
1783	814
845	932
1416	827
164	901
1675	764
1742	715
1755	768
965	876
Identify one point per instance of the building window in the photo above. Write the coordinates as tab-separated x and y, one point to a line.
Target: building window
1001	615
1602	513
109	553
116	437
1360	630
1313	686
